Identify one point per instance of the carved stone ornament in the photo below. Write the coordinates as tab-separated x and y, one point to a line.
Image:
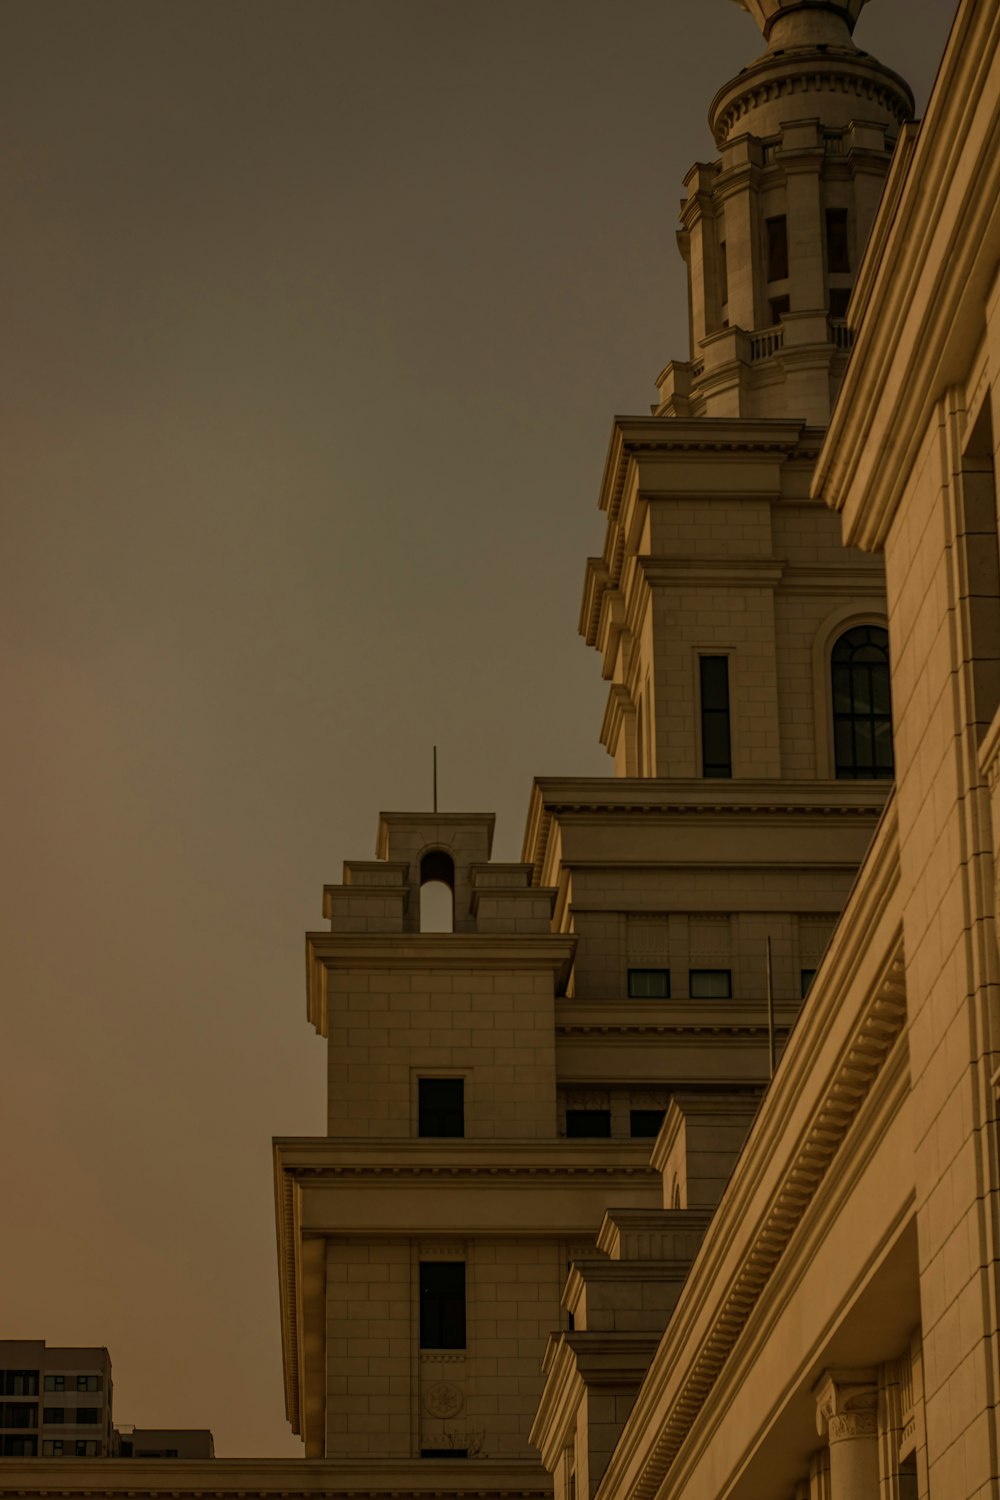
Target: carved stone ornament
442	1399
847	1406
853	1424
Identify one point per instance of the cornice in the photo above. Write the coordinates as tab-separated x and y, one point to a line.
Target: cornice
800	71
299	1159
274	1479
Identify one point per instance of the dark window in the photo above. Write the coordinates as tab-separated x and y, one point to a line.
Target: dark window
54	1414
441	1106
837	257
20	1447
88	1382
444	1453
52	1447
649	984
125	1448
85	1448
437	892
862	711
55	1382
840	298
806	978
19	1414
723	274
777	248
88	1414
779	306
716	752
710	984
645	1123
442	1304
593	1124
19	1382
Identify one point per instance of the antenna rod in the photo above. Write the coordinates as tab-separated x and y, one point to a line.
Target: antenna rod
770	1007
436	781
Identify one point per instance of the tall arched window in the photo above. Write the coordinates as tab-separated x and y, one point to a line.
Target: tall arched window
437	892
862	712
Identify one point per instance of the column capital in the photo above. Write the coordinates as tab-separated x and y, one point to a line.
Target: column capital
846	1404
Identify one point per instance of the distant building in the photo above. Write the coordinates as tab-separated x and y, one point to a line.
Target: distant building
57	1403
163	1442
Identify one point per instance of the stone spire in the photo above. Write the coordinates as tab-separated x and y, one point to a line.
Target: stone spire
774	230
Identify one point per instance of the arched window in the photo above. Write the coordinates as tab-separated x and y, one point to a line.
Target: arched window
862	712
437	892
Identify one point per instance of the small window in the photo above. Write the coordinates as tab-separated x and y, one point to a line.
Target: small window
588	1124
778	307
88	1414
125	1448
441	1106
444	1453
649	984
716	750
442	1304
55	1414
52	1447
777	248
88	1382
710	984
806	977
862	711
85	1448
645	1123
19	1382
19	1414
837	257
55	1382
723	274
437	892
840	298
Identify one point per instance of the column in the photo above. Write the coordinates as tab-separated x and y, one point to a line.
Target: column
847	1416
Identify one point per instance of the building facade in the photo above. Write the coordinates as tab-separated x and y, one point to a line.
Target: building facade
670	1169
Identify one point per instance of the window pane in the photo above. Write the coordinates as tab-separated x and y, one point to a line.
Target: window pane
837	258
710	984
645	1123
649	984
806	978
777	249
716	755
442	1304
592	1124
441	1106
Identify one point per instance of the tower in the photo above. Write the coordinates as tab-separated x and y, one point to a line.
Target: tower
533	1113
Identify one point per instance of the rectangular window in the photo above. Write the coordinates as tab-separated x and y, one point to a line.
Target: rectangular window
18	1414
806	977
20	1447
837	257
19	1382
649	984
444	1453
588	1124
88	1382
55	1414
840	298
777	248
85	1448
55	1382
52	1447
645	1123
723	274
441	1106
88	1414
442	1304
716	751
778	306
710	984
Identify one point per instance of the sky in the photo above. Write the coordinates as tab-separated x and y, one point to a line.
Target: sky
316	314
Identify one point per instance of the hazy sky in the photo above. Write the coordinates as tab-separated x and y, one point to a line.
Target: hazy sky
316	313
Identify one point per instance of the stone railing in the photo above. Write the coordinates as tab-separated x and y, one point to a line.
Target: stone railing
766	343
840	334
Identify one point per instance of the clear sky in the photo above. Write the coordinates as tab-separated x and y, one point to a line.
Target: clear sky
316	314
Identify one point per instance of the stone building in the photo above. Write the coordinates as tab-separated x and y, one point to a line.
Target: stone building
674	1158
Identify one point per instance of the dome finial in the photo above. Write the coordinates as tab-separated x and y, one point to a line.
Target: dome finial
804	21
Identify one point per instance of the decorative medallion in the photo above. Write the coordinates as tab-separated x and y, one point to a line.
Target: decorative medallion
442	1399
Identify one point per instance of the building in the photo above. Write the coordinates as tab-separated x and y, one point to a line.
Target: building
57	1403
790	1291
